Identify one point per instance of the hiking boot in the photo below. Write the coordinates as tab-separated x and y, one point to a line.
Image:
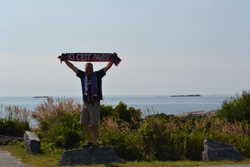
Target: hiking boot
87	145
92	148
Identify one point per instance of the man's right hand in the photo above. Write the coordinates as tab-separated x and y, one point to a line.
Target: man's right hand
115	54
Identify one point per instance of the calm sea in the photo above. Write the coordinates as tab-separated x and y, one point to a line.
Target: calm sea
161	104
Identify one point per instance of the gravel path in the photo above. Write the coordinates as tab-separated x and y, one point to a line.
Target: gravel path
6	160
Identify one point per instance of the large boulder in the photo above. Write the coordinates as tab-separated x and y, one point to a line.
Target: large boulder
216	151
197	113
5	140
102	155
31	142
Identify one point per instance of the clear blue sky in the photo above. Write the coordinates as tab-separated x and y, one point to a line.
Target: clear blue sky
166	46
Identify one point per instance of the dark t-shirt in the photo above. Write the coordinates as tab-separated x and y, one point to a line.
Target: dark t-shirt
89	95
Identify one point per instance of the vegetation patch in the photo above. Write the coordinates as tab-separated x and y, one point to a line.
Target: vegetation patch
15	122
150	139
236	108
51	159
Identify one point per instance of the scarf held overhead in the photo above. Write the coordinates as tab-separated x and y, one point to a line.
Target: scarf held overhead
90	57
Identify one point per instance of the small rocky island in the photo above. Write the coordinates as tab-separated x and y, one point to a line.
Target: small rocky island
40	96
185	95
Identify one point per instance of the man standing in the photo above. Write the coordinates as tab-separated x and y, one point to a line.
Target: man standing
92	94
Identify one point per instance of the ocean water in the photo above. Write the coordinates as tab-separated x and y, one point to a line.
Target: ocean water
170	105
156	104
160	104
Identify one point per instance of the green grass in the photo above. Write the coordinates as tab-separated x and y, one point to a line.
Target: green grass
50	160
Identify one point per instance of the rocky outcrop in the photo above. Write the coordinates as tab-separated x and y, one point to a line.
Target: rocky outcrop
31	142
5	140
102	155
197	113
216	151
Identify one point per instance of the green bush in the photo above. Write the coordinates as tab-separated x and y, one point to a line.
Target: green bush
170	138
153	133
107	111
15	121
48	112
66	133
126	143
129	115
237	108
13	127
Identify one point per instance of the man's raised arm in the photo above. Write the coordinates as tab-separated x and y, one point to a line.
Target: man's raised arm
70	65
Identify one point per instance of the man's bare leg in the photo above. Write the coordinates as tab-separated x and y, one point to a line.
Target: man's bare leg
95	133
87	132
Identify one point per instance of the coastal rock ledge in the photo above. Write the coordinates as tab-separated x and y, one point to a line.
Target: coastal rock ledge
102	155
197	113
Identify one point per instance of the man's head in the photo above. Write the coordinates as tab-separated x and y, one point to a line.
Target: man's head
89	69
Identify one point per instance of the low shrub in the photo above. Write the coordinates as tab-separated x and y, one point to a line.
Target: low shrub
13	127
48	113
153	133
124	141
59	123
15	122
67	133
236	108
129	115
